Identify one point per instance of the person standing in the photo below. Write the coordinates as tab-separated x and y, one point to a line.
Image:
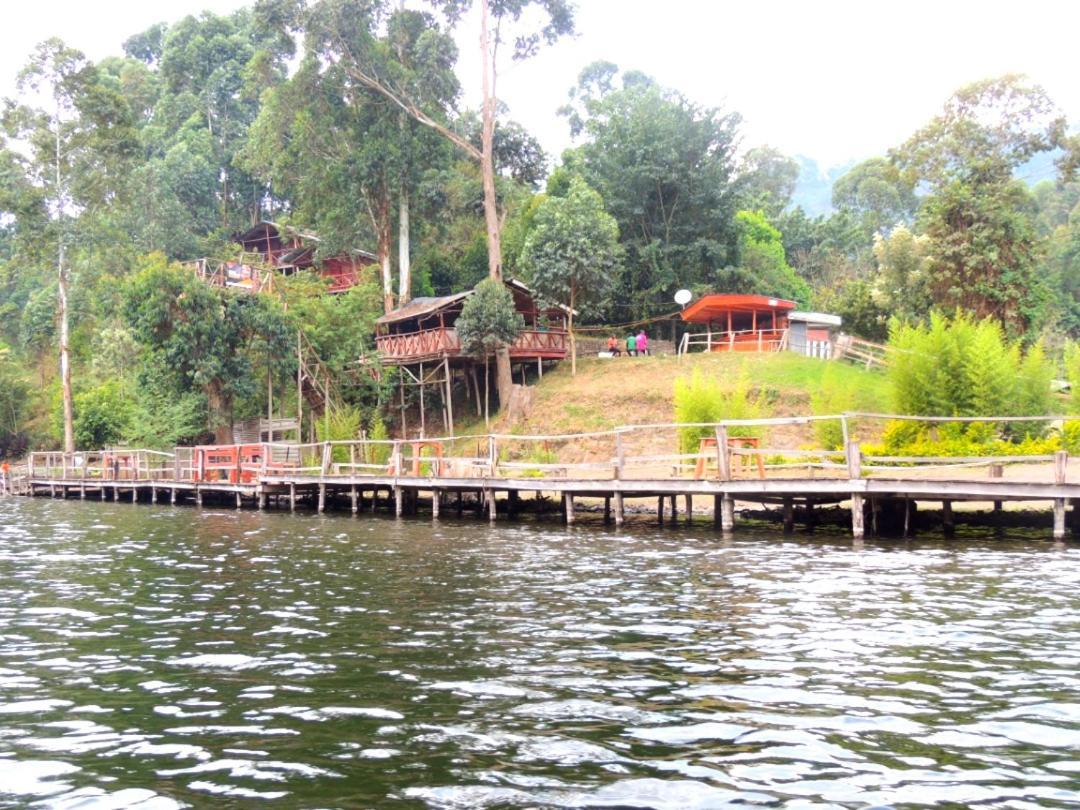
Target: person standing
5	479
642	343
613	346
631	346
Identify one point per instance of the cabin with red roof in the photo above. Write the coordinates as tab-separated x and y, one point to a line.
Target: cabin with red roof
737	323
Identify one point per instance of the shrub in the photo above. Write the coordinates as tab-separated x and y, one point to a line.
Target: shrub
703	399
344	425
964	367
833	396
101	416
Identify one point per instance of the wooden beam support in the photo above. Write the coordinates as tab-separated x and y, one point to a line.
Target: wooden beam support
789	515
1059	518
619	512
858	529
568	506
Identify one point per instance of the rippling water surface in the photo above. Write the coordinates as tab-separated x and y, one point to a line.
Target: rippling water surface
155	658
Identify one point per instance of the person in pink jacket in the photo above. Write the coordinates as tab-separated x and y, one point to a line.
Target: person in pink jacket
642	343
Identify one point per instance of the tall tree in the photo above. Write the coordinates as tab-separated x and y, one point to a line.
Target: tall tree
359	58
982	237
665	168
571	255
488	322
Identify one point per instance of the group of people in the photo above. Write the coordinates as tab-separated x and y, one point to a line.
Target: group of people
633	346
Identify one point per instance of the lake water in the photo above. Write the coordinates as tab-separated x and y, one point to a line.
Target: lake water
158	657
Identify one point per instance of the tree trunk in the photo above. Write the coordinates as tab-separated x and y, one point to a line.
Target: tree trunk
487	398
504	379
220	406
570	334
404	265
65	358
62	303
380	219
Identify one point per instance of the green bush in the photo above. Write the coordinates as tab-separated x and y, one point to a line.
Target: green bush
343	425
377	432
962	367
101	416
833	396
703	399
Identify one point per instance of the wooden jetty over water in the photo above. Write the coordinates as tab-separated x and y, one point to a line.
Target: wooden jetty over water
494	472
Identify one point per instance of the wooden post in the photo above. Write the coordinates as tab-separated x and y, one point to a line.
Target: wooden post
436	498
292	497
619	513
660	510
172	496
568	505
607	509
449	398
620	457
153	494
716	510
239	503
727	513
493	458
1061	463
198	495
854	460
512	502
327	457
261	498
322	497
352	497
398	504
490	494
723	458
789	515
858	529
947	518
689	499
1059	518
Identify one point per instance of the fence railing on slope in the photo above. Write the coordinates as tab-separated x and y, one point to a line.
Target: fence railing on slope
857	350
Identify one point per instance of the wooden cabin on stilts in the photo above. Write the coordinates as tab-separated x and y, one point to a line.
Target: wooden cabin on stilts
420	338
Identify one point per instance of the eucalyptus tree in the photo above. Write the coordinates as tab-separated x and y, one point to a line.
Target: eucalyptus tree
78	143
513	21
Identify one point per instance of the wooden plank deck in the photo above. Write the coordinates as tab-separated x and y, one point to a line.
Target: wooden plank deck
265	475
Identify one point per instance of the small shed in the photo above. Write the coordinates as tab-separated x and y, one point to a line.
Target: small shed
812	333
737	323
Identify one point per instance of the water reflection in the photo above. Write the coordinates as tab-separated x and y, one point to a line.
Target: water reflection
153	657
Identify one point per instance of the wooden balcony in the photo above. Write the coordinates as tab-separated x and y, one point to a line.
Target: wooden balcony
435	344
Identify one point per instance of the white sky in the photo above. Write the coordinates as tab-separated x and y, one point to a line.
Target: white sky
832	79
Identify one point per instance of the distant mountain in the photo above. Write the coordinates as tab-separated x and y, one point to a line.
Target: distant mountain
813	190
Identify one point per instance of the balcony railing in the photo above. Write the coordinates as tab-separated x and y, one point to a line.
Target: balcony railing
444	342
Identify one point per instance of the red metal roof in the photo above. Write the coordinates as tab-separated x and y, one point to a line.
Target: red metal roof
713	307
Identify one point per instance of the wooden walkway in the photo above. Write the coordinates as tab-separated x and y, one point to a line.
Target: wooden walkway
435	475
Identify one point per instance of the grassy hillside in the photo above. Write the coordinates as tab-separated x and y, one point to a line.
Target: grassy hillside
607	393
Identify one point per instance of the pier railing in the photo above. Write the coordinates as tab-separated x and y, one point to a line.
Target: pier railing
727	450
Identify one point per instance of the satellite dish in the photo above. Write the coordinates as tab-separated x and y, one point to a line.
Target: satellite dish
682	297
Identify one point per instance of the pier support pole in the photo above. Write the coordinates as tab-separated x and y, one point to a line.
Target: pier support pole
261	499
492	514
172	496
568	506
1059	518
607	509
399	504
717	508
789	516
460	503
82	492
947	518
689	499
436	502
239	502
322	498
858	529
153	494
619	512
352	498
134	494
198	496
292	497
674	509
727	513
512	502
660	510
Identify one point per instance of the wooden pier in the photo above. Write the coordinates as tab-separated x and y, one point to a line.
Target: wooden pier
494	471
